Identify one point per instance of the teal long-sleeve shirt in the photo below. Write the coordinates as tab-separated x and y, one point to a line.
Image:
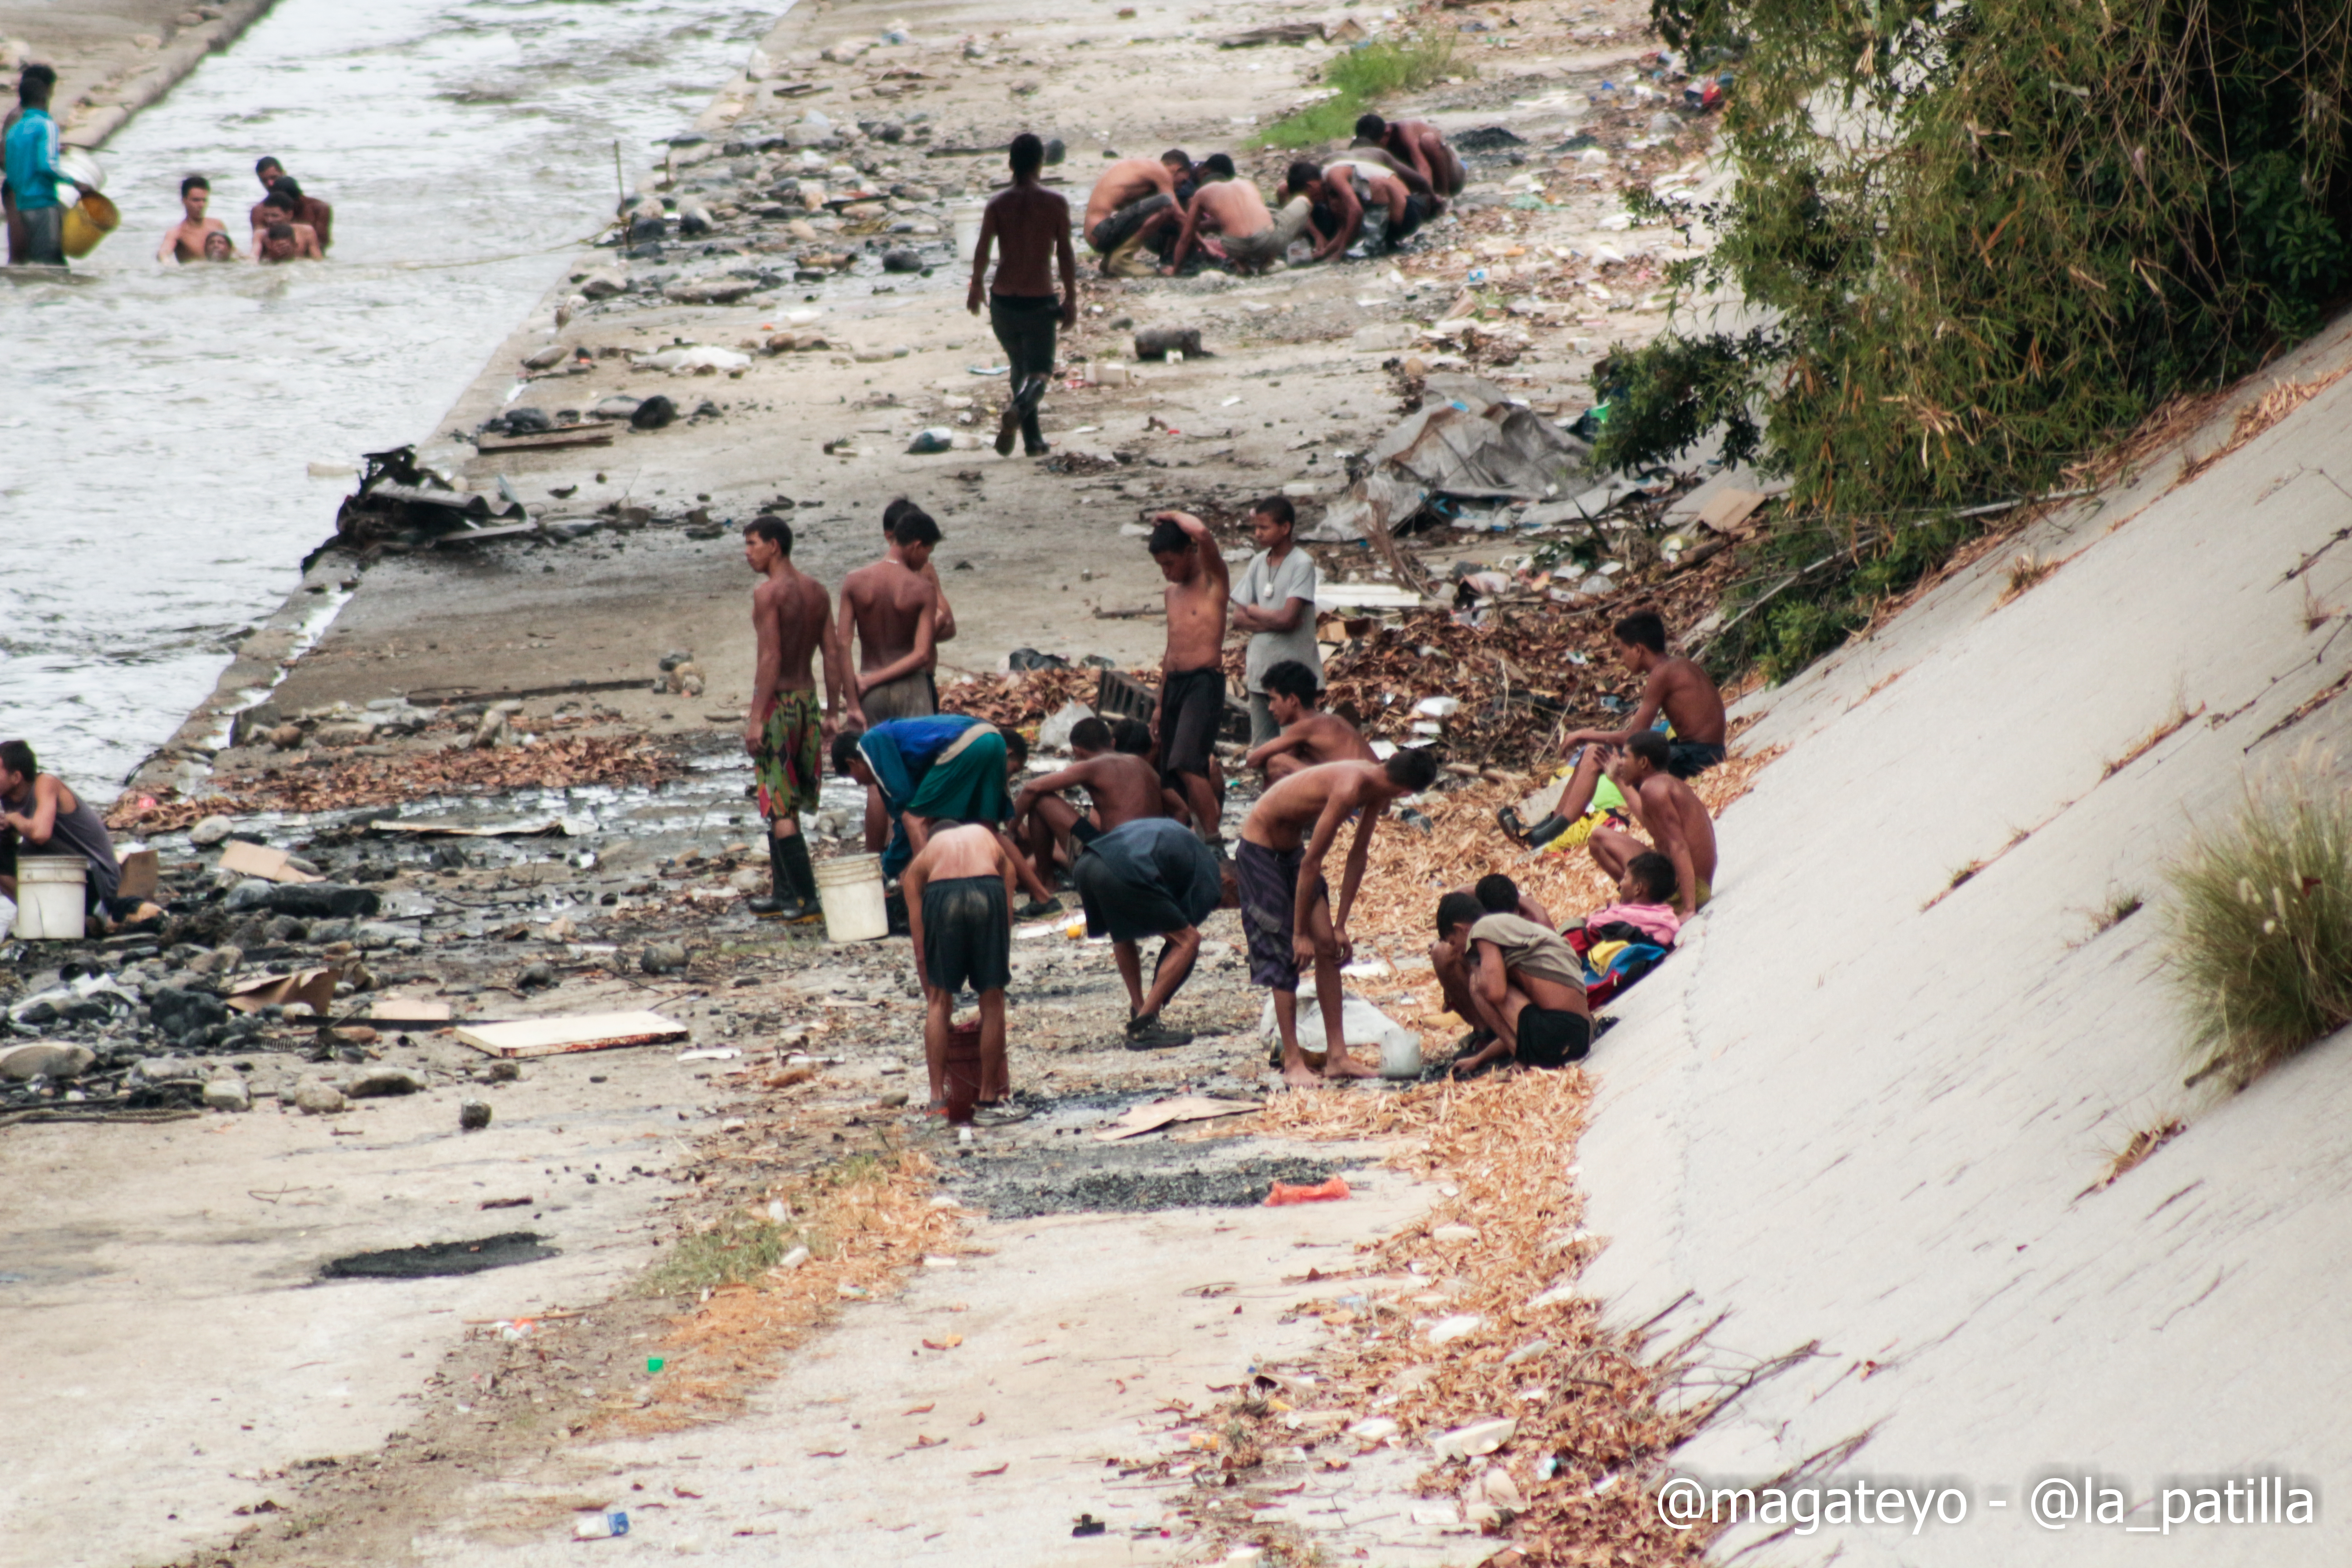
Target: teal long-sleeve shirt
32	160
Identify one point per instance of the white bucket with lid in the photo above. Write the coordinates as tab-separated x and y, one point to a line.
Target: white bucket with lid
965	221
850	889
49	897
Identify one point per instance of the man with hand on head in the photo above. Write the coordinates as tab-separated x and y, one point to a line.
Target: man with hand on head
1193	669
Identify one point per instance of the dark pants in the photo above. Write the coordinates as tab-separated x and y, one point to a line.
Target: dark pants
1024	326
44	236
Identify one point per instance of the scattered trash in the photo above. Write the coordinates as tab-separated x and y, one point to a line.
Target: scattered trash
1143	1118
1158	342
1286	1193
601	1526
1477	1438
1088	1525
553	1036
1453	1328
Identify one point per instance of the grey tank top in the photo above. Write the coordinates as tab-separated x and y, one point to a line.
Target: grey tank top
83	831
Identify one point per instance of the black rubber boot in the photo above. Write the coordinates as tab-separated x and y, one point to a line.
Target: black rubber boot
779	896
795	877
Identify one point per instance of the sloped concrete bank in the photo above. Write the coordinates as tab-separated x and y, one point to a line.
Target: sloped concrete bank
1867	1111
114	60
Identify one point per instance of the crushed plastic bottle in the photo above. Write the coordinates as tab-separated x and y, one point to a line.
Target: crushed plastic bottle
600	1527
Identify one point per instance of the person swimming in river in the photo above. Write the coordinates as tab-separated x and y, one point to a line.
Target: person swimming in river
283	239
191	238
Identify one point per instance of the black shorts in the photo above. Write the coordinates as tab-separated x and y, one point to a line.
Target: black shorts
1549	1037
1416	213
967	934
1084	832
1113	231
1269	889
1121	910
1191	709
1688	759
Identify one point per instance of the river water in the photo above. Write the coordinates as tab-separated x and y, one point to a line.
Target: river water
158	425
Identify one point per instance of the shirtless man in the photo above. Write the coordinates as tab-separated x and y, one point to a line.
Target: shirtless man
1033	224
1233	210
1129	192
1420	144
281	238
1309	737
1674	816
1285	904
959	893
1337	196
308	210
190	239
892	610
792	623
945	630
1191	670
1119	788
1669	684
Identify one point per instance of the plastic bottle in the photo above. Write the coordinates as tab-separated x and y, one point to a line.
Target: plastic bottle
601	1526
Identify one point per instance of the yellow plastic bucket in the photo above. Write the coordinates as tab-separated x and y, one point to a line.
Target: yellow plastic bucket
87	221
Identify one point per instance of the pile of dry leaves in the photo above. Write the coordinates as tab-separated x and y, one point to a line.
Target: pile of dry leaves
549	764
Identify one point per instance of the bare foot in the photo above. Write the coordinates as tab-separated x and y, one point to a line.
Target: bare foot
1302	1076
1339	1064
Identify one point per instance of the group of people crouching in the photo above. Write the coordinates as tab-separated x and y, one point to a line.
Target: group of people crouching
1167	213
966	836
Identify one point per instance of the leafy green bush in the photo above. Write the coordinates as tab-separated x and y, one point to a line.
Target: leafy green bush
2261	927
1357	78
1978	242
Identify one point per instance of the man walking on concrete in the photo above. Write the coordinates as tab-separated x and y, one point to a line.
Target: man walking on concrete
791	625
1033	226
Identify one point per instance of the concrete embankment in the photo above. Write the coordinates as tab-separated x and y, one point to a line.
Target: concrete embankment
1871	1110
114	60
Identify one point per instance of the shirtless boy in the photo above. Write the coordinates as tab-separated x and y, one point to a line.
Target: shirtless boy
1420	145
1131	193
958	909
190	239
1671	684
1526	982
1192	669
792	623
1033	226
1233	210
892	610
1285	903
1120	789
1674	816
1309	737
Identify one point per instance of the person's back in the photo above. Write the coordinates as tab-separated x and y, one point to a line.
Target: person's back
884	601
1124	789
1690	700
1125	183
1286	814
1234	206
1329	738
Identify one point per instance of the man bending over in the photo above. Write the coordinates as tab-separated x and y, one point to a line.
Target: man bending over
959	911
1145	878
1285	903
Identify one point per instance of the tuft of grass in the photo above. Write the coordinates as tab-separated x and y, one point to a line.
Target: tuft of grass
1359	77
2261	928
2122	1161
2120	907
2024	572
740	1247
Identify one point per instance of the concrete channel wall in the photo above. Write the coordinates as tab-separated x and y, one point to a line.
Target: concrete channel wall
1859	1117
116	58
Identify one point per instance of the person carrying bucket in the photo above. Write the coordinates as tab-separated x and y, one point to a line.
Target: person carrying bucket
34	176
38	813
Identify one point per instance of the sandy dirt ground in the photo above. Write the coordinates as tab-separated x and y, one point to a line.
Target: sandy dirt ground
261	1413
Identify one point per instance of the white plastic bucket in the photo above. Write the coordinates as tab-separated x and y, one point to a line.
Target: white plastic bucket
966	219
850	889
49	897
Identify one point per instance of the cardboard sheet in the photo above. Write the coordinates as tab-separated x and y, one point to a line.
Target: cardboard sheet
1159	1114
559	1037
247	858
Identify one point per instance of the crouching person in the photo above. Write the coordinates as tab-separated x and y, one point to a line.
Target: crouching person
959	891
1527	984
1144	879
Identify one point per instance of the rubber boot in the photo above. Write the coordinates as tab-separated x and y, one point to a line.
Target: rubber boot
790	857
779	893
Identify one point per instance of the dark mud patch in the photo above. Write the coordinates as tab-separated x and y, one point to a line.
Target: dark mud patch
1021	1193
441	1257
